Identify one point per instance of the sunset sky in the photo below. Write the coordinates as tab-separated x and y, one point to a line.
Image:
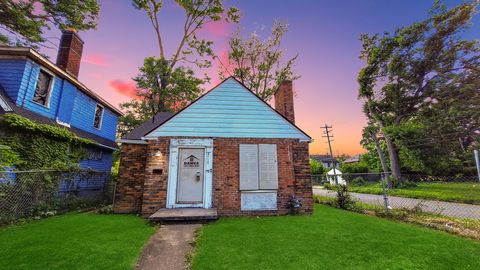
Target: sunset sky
323	33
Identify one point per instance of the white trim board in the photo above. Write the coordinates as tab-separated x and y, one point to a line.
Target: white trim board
175	144
4	105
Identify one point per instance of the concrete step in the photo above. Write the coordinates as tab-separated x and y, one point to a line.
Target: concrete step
184	215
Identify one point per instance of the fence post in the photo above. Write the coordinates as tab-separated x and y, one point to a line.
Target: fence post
385	197
477	161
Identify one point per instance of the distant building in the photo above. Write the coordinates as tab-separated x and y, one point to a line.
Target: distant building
326	160
353	159
338	174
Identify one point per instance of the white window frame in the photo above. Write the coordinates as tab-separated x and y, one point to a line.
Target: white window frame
50	87
101	116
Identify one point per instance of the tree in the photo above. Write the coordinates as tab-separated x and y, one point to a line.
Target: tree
259	64
418	66
316	167
358	167
24	22
167	82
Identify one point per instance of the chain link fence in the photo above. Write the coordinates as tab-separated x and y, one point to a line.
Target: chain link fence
26	194
450	196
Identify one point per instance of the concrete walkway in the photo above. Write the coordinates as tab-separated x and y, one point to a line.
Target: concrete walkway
457	210
168	247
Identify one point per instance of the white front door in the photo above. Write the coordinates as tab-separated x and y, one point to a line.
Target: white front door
190	180
190	173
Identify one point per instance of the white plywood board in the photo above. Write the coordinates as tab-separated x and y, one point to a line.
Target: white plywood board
254	201
268	169
248	167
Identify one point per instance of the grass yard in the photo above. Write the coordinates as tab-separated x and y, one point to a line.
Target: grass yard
330	239
74	241
450	192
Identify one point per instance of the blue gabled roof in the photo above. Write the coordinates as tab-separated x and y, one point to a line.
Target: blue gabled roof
229	110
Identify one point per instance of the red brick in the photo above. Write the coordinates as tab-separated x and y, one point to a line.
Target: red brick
293	176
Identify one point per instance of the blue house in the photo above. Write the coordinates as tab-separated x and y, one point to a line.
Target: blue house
48	93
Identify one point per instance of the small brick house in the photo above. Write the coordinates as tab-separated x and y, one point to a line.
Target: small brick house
229	151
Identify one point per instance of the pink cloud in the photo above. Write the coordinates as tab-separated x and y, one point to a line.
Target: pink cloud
219	28
126	88
95	59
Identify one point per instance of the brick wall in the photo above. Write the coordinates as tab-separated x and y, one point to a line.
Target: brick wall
292	158
284	100
293	176
70	52
155	186
129	189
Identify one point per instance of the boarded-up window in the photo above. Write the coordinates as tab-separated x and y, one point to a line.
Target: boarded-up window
268	171
248	167
258	166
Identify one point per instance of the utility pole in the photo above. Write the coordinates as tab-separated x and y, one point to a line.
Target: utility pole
328	135
477	162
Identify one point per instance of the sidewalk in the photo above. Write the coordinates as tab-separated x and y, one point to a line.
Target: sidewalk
167	248
457	210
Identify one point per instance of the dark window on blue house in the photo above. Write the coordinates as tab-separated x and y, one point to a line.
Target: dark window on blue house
94	154
42	90
97	121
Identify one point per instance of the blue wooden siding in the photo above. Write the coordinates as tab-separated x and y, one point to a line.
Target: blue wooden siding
67	103
67	99
229	110
105	164
83	114
12	76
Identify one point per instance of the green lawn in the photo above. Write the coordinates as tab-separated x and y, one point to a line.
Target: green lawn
330	239
74	241
451	192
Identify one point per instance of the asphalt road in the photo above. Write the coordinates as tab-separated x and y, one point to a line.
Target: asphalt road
458	210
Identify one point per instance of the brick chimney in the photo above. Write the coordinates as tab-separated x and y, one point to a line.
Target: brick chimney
284	100
70	52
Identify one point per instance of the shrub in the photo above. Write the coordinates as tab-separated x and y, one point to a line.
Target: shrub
358	181
358	167
105	209
407	184
330	201
402	184
344	200
328	186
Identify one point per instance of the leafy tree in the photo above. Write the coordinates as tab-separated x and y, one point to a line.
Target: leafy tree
259	64
167	82
418	66
24	22
316	167
357	167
